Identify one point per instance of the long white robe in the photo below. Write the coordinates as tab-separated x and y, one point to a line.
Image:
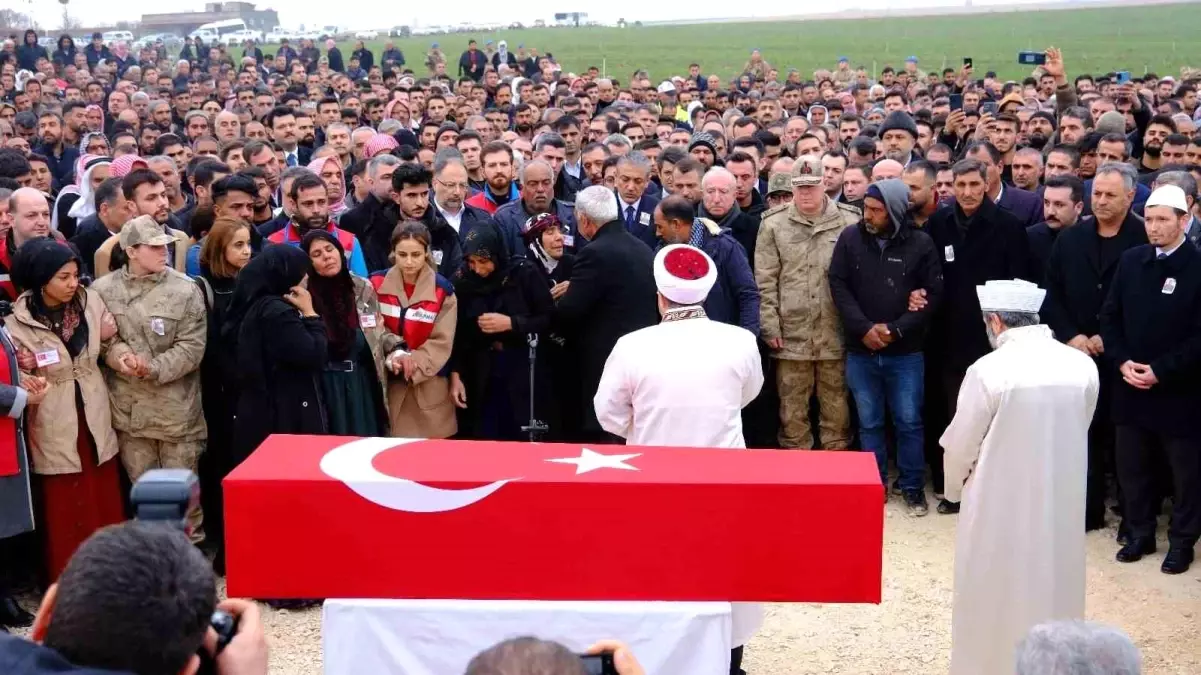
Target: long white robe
1020	441
681	383
684	384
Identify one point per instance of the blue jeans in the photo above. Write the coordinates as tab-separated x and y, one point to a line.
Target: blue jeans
876	379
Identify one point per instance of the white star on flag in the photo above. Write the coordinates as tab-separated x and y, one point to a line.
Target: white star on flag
591	461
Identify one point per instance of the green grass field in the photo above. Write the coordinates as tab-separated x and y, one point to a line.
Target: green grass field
1154	38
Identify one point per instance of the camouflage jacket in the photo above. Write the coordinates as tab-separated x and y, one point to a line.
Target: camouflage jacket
162	318
758	70
792	261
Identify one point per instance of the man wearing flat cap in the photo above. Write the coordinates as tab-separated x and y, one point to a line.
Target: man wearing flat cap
1017	452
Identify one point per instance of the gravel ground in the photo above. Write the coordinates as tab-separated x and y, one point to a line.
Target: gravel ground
910	631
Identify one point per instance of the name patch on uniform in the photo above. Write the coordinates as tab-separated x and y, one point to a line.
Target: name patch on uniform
645	219
157	325
422	315
47	358
949	253
1169	286
367	320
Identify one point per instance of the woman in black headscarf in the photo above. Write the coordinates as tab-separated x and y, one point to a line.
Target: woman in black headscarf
502	303
279	344
352	384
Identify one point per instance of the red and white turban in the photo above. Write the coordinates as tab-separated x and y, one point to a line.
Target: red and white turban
684	274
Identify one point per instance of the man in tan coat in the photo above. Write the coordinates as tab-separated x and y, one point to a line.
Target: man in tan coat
798	320
160	314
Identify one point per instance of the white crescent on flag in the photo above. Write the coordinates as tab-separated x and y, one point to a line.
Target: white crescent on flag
351	463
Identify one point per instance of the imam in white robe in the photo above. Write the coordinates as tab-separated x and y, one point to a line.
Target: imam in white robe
1020	441
684	383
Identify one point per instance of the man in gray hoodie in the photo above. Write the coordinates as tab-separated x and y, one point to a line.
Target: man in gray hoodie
874	268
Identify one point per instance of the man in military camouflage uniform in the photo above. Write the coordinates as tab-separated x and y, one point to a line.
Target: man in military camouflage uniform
160	314
798	319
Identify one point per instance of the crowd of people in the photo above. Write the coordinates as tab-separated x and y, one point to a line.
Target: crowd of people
202	252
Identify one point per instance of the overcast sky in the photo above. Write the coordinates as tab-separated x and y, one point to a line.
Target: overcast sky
374	14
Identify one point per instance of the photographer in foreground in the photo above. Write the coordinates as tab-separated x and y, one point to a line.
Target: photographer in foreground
135	598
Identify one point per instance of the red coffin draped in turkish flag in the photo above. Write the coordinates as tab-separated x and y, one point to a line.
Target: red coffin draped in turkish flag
329	517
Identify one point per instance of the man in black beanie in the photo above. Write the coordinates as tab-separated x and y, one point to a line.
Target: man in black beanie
1040	129
899	134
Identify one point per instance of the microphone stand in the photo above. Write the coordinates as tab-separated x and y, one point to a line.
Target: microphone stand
536	427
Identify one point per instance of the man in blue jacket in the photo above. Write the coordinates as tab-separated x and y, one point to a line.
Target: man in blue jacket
734	298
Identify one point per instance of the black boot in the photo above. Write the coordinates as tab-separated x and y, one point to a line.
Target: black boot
1135	549
1177	560
13	615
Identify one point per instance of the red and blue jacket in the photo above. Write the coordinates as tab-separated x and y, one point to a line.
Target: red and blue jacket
354	254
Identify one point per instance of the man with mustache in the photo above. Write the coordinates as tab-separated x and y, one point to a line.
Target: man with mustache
1063	202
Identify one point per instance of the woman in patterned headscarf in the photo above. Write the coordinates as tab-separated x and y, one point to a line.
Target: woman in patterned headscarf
331	171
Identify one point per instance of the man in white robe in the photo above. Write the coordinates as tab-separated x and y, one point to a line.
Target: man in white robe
1017	453
684	382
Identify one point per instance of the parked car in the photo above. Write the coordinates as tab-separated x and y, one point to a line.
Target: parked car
240	36
399	31
113	36
366	34
278	35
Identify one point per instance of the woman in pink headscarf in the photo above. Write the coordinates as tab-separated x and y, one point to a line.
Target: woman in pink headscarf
93	116
398	110
848	103
330	170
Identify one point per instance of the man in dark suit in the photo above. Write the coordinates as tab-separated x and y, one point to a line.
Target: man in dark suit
1023	204
112	210
373	219
1079	272
1111	148
635	209
281	123
611	293
977	241
1151	328
449	197
1063	200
